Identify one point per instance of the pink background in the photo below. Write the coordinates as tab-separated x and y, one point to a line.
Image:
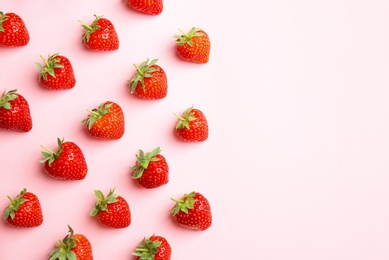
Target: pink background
296	95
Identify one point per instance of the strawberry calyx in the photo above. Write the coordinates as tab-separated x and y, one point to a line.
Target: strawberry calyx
143	160
14	205
96	114
185	203
50	64
64	247
186	117
143	71
102	203
186	38
89	29
50	156
3	17
147	249
6	97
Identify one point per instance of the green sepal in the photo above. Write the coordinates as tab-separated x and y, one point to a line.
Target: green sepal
3	18
143	161
63	250
147	249
50	156
102	202
186	38
184	204
96	114
50	64
6	97
89	29
14	205
186	117
143	71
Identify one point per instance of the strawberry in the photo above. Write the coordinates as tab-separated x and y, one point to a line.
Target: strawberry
57	73
14	112
150	81
67	163
24	210
151	169
105	122
192	126
193	46
73	246
152	7
192	211
13	31
153	248
112	211
100	35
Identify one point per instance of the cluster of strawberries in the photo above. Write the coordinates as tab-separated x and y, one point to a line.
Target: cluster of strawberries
106	122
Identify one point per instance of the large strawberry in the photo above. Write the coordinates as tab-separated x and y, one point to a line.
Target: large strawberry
152	7
193	211
192	126
112	210
193	46
14	112
151	169
24	210
72	247
150	81
106	122
66	163
101	35
13	31
153	248
57	73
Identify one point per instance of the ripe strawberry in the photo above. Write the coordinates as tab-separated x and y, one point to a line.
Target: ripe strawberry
73	246
105	122
24	211
193	46
14	112
151	169
13	31
112	211
192	126
152	7
100	35
57	73
154	248
193	211
150	81
67	163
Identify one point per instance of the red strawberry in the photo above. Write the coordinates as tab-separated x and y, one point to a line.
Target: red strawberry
24	211
152	7
67	163
154	248
193	46
193	211
100	35
73	246
192	126
112	211
151	169
13	31
106	122
57	73
14	112
150	81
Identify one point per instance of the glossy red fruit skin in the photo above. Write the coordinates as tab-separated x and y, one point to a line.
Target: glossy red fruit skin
155	86
164	250
83	250
105	38
156	174
18	118
29	213
118	214
15	33
151	7
70	165
64	77
199	52
198	129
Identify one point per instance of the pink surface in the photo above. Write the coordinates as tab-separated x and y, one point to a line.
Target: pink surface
296	95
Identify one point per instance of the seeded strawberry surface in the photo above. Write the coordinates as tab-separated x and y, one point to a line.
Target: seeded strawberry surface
13	31
15	112
192	126
155	247
152	7
194	46
101	35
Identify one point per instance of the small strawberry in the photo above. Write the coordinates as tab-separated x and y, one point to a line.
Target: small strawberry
13	31
24	211
105	122
112	211
193	211
100	35
151	169
14	112
73	246
67	163
152	7
57	73
150	81
153	248
192	126
193	46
